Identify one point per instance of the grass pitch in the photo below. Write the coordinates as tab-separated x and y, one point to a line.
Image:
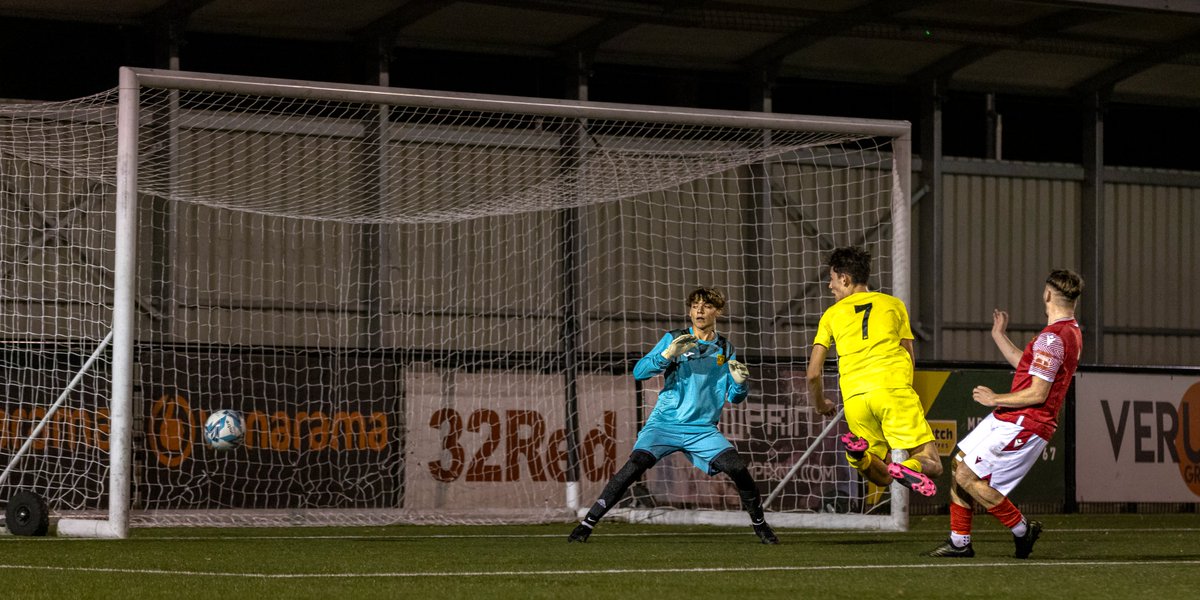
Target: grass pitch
1078	556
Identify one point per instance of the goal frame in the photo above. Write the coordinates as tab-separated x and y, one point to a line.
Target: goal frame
133	80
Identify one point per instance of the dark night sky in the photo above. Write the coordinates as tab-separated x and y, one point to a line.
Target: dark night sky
52	60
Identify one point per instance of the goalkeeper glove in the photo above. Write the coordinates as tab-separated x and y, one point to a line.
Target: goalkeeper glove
679	345
739	372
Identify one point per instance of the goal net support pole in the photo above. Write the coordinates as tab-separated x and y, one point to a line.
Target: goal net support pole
41	426
833	422
121	404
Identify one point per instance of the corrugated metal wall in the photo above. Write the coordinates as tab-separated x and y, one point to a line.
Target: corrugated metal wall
1150	309
1003	234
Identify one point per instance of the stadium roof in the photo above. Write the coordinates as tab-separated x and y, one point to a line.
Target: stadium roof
1144	51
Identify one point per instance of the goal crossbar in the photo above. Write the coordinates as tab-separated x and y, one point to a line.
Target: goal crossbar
572	109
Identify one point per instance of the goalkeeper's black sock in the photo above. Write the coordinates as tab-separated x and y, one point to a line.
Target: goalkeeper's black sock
637	464
595	513
752	504
748	491
732	464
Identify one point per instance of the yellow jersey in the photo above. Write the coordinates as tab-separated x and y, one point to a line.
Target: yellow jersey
866	328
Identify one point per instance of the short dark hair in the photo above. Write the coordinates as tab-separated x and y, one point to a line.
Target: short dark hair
1066	282
851	261
709	295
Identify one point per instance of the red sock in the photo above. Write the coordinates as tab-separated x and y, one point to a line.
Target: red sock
960	519
1006	513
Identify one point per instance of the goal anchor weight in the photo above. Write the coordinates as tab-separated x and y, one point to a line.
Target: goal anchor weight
27	514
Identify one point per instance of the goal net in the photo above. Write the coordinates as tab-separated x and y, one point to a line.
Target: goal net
426	305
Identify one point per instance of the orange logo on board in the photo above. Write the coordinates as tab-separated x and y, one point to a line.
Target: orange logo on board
1187	439
170	431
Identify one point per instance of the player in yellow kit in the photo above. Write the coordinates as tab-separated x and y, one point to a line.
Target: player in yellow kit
874	343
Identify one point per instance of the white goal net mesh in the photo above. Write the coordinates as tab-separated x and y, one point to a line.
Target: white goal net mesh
425	314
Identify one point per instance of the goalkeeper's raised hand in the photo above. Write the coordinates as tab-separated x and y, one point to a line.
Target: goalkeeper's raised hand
679	345
739	372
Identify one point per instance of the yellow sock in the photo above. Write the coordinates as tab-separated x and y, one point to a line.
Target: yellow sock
859	464
913	464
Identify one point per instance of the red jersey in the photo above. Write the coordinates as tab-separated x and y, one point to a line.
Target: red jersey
1052	356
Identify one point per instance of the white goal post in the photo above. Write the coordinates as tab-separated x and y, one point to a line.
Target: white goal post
426	304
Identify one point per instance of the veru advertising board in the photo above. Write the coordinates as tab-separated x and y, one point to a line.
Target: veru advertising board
1137	438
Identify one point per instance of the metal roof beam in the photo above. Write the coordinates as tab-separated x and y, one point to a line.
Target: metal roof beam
1162	53
404	14
588	40
175	11
1042	26
877	19
168	23
1133	5
823	28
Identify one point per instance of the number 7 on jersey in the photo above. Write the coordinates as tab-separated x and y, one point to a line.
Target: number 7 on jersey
866	310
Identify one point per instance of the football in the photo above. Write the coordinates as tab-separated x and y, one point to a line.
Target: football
224	430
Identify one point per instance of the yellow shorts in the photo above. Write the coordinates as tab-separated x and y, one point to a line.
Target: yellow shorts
888	419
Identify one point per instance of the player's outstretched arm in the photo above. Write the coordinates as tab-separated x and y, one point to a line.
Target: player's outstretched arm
664	353
1011	352
816	380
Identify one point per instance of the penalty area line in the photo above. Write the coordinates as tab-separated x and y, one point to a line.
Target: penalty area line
579	572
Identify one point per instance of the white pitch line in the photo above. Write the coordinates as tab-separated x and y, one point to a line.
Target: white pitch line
449	536
789	533
578	572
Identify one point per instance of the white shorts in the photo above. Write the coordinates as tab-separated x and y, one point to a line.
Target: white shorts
1000	452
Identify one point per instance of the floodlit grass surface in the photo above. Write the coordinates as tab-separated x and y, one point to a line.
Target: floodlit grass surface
1078	556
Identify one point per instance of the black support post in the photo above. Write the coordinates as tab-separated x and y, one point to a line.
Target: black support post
1091	229
932	223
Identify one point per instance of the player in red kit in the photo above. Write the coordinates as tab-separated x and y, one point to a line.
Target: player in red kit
997	454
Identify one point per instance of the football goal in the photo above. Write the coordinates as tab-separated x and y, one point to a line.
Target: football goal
425	305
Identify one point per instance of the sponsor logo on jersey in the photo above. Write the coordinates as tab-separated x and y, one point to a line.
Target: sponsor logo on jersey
1043	361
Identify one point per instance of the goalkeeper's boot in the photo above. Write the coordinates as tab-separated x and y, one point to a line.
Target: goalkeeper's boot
765	534
915	481
854	445
580	533
1025	542
949	550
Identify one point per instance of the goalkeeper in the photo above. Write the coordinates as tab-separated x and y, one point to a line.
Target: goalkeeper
700	373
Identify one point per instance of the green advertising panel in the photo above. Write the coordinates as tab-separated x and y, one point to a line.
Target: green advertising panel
953	413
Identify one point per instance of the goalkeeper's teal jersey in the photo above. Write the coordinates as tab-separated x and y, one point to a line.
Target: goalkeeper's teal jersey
696	386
